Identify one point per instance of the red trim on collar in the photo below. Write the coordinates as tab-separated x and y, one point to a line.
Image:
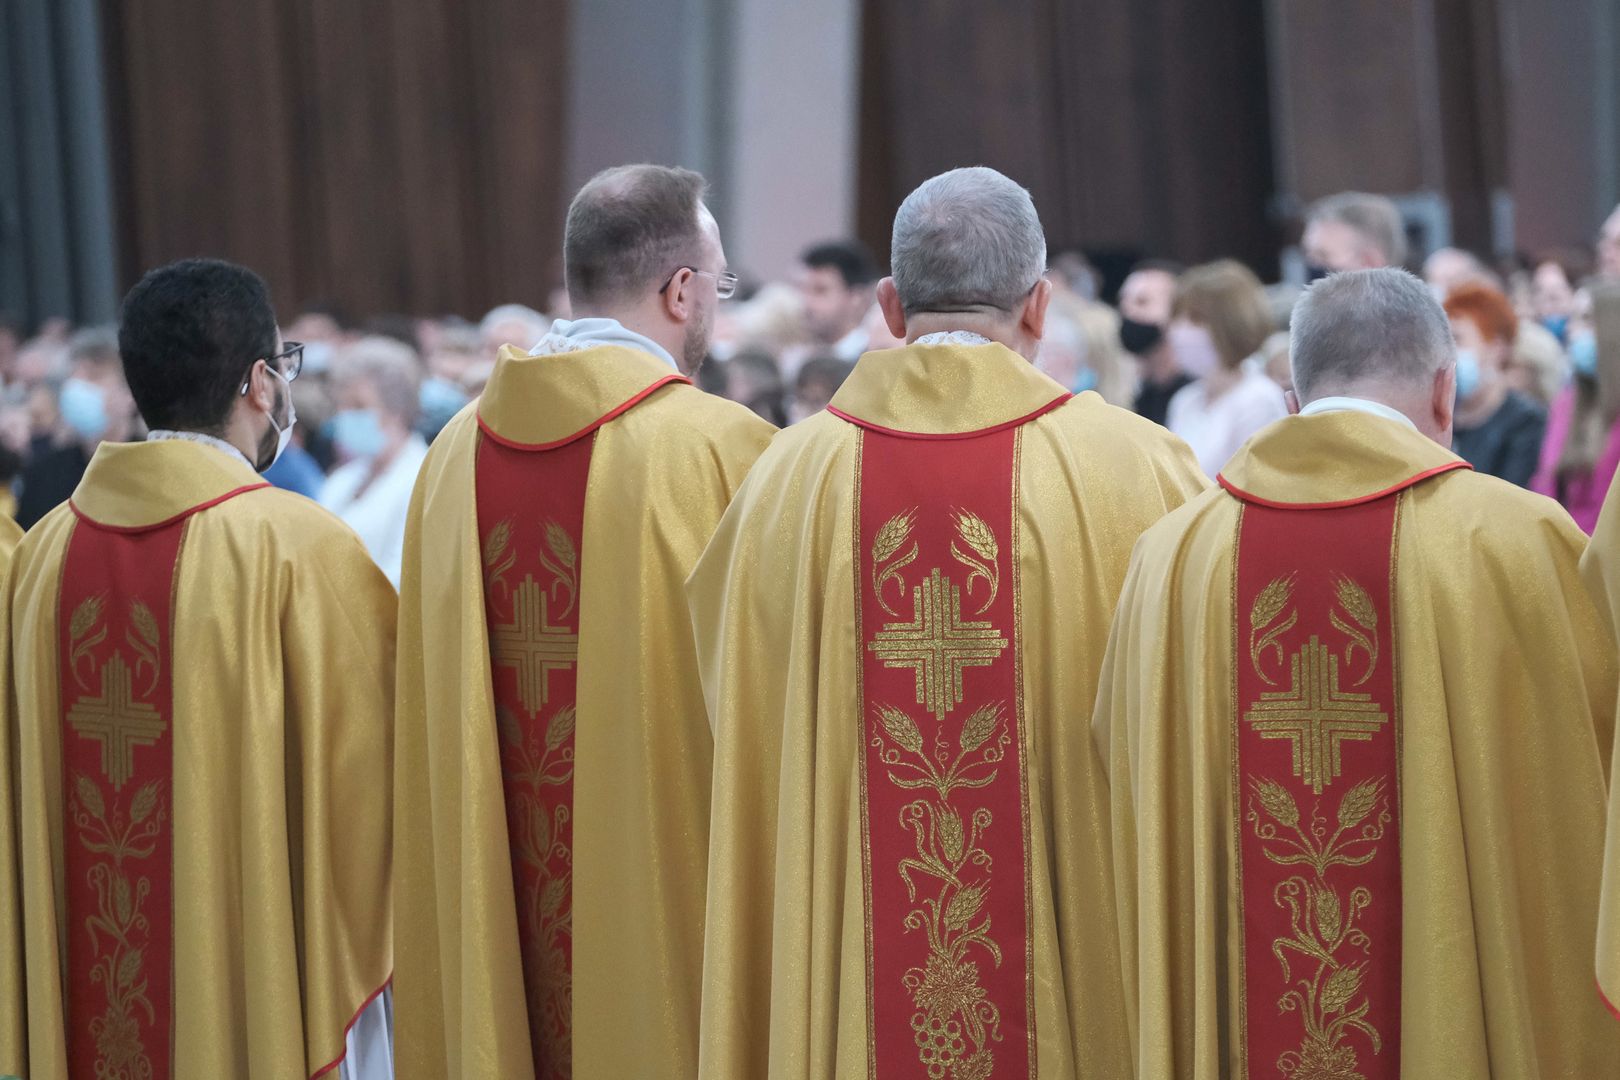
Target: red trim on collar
592	426
130	530
1450	466
879	428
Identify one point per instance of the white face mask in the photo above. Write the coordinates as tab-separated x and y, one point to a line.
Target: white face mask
283	434
1194	348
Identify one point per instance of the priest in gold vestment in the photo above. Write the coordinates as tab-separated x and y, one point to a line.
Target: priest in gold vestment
553	754
900	622
1601	565
1357	710
197	718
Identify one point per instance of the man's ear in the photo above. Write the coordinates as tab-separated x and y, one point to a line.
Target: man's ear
677	302
262	387
894	315
1443	397
1291	399
1032	319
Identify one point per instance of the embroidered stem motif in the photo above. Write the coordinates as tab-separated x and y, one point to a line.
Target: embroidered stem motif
1324	921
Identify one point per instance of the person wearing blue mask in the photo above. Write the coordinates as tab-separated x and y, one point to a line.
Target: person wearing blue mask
1552	288
1498	430
377	386
94	406
1581	453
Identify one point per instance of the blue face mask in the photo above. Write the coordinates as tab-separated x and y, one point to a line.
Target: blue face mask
84	408
441	399
1467	374
358	434
1558	325
1085	380
1583	356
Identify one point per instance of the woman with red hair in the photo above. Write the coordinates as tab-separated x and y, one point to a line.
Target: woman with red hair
1497	430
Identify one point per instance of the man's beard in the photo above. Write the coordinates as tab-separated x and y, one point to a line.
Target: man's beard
696	346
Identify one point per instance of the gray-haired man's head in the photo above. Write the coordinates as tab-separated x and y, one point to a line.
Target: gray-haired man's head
968	248
1353	231
1377	334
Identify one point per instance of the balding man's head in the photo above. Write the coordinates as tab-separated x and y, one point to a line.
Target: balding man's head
968	251
1354	231
1377	334
629	227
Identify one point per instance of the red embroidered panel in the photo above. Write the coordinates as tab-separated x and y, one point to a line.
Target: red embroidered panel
944	807
531	512
1317	790
115	657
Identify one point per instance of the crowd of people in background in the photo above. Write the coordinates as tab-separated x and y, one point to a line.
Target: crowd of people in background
1202	350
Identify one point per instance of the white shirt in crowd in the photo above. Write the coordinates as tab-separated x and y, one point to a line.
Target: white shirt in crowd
1216	428
377	514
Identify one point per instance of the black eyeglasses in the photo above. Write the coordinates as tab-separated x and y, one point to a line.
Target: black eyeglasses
725	282
288	362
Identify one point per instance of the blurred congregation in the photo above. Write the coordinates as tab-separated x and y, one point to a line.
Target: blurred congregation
1202	350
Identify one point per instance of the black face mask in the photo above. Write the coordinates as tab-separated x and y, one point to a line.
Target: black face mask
1139	337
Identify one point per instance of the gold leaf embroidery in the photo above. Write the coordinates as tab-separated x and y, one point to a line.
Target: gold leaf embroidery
982	542
901	728
1359	606
497	559
563	563
889	540
1269	604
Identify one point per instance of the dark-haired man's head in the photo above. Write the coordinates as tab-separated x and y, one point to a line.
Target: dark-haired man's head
836	279
641	247
199	344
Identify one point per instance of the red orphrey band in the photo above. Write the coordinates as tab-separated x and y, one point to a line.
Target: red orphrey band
1316	789
944	812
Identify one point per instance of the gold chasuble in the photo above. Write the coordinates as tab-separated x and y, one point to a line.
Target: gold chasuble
1601	566
900	622
200	672
553	763
1352	708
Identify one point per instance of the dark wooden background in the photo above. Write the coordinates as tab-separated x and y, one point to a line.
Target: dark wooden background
384	155
408	155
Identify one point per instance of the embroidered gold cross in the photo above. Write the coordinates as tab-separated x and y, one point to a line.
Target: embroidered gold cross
937	644
531	646
1316	715
117	721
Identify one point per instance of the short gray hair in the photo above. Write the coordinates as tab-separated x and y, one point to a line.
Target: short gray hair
968	238
1376	219
1367	325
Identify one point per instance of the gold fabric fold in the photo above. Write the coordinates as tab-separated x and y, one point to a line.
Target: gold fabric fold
944	389
283	639
1347	456
660	476
785	968
1506	682
537	400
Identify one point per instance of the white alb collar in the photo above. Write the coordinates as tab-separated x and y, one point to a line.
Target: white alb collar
1356	404
221	445
575	335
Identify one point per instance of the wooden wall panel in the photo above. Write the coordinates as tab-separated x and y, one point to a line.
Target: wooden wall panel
1140	128
383	155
